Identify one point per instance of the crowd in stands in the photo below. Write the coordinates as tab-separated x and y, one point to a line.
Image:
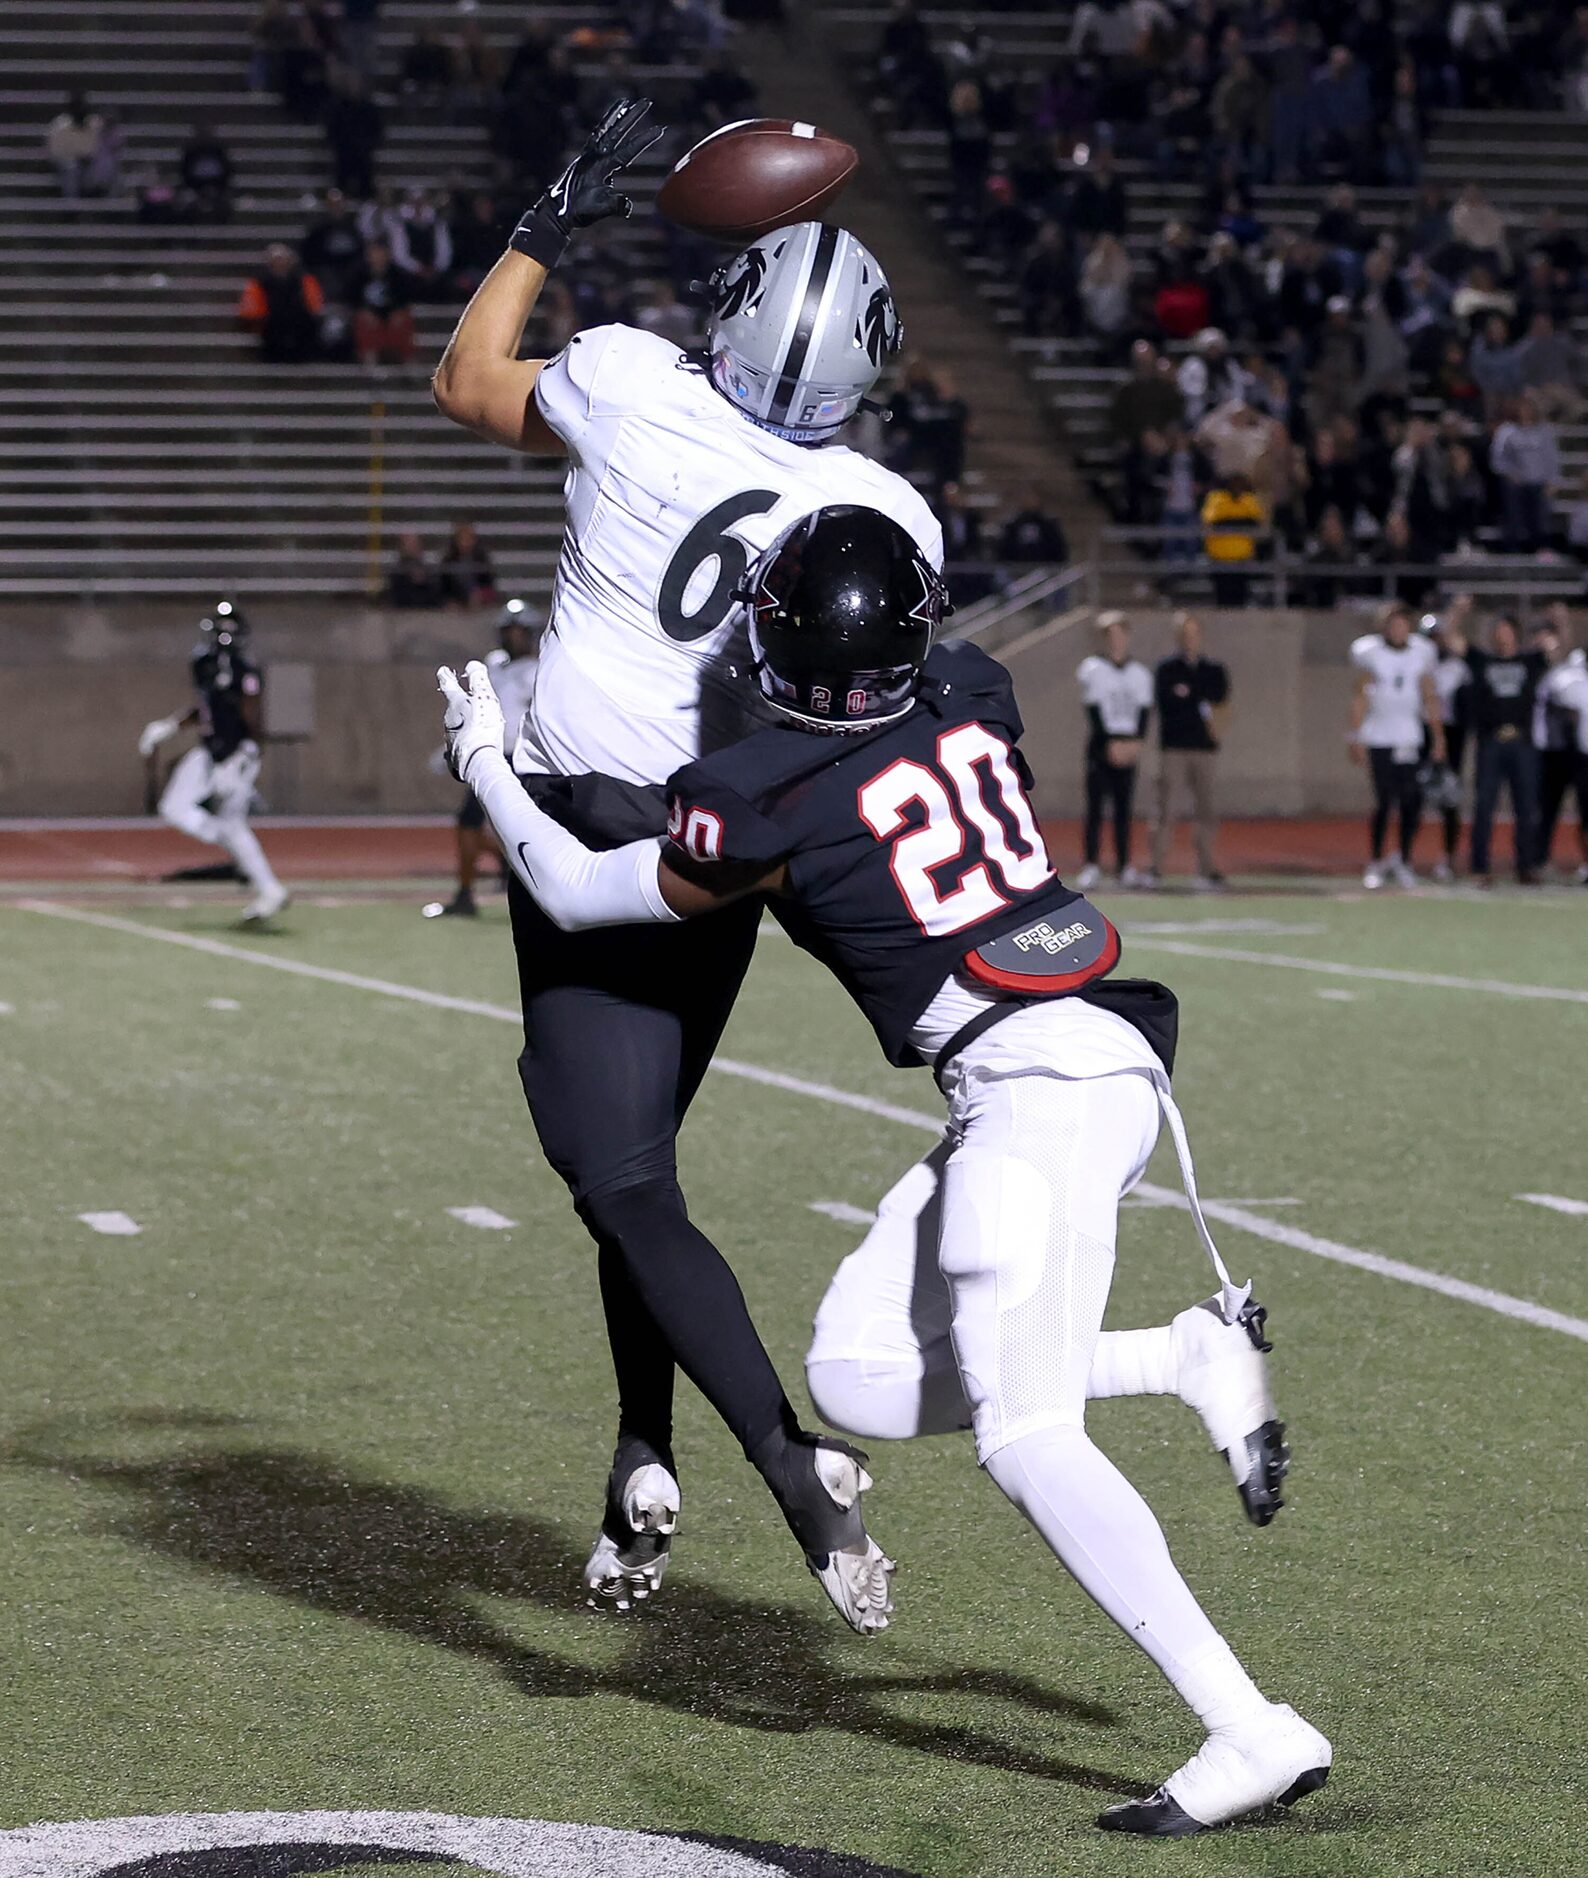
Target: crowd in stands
463	576
1346	392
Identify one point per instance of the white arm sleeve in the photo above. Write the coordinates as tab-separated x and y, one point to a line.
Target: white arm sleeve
573	886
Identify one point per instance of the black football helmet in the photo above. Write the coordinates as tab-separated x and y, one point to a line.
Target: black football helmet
224	625
843	609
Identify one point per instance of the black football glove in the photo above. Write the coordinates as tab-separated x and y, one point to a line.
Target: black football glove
583	193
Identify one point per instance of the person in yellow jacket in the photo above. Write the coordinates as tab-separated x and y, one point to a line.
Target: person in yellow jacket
1231	499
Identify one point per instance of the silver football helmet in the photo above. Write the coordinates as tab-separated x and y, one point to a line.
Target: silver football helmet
802	323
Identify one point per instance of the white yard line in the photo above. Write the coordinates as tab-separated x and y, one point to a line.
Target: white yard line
1334	995
485	1217
1557	1203
1438	981
843	1212
6	1009
1273	1230
222	1004
113	1225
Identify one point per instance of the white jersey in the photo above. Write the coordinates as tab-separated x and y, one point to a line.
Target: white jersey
1118	693
671	493
1394	719
1566	687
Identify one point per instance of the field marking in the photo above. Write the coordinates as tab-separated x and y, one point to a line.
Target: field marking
843	1212
1335	995
1557	1203
114	1225
222	1004
6	1009
485	1217
1252	928
1384	974
1273	1230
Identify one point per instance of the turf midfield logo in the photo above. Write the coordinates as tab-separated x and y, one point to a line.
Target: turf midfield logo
285	1845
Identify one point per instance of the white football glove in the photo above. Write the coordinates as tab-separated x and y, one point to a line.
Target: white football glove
473	719
159	730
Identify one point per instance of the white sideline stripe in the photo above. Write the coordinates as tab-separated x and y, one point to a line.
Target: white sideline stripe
485	1217
114	1225
1557	1203
1335	995
1227	1214
843	1212
222	1004
1438	981
1250	928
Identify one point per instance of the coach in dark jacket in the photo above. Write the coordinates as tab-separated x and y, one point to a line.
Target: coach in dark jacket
1190	692
1505	682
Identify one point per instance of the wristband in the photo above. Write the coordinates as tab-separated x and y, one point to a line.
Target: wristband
541	236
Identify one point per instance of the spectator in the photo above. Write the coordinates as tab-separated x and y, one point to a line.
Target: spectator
1106	287
969	149
426	73
421	245
1395	710
1548	367
332	248
354	129
1209	376
75	143
1399	549
205	168
1032	538
1525	458
1046	286
361	38
1239	440
1232	549
1505	682
271	38
1116	695
1191	693
722	94
1149	399
412	582
477	67
1480	228
479	236
1240	112
305	71
1331	480
382	295
1096	202
961	525
1555	727
1330	555
1340	116
466	577
283	304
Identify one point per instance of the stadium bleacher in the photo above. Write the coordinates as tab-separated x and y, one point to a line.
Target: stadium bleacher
144	448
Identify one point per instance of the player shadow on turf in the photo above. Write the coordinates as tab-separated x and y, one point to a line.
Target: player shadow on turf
308	1529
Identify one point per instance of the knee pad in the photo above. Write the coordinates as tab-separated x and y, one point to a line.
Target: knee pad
624	1214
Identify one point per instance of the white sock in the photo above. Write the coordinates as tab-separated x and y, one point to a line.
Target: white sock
1133	1362
1104	1534
242	844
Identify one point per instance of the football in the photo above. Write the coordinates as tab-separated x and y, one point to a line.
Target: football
751	177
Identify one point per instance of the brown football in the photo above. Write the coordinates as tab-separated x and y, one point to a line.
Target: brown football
754	176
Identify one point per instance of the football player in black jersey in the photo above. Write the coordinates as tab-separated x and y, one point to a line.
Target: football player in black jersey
890	827
211	790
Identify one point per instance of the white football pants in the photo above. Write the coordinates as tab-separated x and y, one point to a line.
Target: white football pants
229	786
997	1327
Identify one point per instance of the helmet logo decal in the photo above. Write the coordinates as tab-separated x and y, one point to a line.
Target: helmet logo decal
880	333
741	291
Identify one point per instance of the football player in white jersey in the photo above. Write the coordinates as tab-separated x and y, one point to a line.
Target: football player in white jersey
1394	709
680	469
1117	696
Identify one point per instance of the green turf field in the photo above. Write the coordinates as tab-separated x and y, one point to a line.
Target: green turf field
296	1481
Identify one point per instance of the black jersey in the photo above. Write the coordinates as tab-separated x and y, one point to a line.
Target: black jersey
907	847
223	678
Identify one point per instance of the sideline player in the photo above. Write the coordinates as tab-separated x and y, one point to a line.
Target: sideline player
681	468
1117	695
210	792
1563	694
1453	686
1394	712
512	666
889	812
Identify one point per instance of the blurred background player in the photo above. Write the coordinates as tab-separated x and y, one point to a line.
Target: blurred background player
1394	710
1555	726
1453	684
1116	692
1192	694
512	667
211	791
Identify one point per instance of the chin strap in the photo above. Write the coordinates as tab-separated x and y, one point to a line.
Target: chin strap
1232	1297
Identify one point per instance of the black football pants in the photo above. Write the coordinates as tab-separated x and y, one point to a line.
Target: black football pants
1111	787
1395	787
1511	763
620	1025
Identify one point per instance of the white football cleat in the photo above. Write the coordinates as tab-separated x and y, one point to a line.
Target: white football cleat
630	1555
1222	1373
265	904
1133	877
1088	877
855	1577
1274	1758
1403	874
1373	877
1443	872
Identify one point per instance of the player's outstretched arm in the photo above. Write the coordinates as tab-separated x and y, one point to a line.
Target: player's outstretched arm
481	382
574	886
